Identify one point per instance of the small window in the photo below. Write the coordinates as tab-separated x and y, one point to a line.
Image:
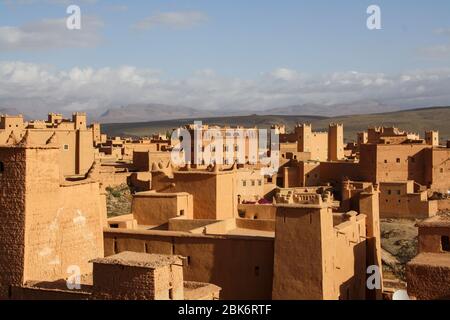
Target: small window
445	243
398	160
182	212
244	183
385	161
442	170
259	182
66	147
114	226
253	183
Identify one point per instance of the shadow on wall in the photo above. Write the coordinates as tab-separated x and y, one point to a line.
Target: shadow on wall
353	288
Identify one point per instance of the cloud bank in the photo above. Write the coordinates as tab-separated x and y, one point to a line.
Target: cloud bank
32	87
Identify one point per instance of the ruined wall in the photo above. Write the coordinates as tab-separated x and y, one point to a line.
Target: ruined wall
241	266
66	229
428	276
39	294
12	226
119	282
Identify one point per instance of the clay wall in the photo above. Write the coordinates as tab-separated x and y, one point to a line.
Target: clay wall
241	266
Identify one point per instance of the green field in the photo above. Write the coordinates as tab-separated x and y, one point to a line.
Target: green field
417	120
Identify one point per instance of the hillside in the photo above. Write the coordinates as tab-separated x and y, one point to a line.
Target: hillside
416	120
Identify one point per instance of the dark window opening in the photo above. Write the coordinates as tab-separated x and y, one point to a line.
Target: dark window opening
398	160
116	249
445	242
114	226
181	212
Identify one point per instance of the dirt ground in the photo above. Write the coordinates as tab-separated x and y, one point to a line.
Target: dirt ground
118	200
399	244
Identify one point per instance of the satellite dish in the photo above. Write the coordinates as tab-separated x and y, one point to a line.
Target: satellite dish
400	295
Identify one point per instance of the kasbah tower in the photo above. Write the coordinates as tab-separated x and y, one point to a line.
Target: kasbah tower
47	226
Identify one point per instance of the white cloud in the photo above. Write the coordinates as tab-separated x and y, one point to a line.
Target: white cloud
50	34
32	87
285	74
175	19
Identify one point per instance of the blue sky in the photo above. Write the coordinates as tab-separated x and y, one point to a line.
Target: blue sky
244	40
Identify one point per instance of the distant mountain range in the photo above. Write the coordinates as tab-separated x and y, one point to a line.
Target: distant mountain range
415	120
151	112
159	112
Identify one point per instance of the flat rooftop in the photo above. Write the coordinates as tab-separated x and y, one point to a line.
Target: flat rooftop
439	221
251	232
441	260
142	260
